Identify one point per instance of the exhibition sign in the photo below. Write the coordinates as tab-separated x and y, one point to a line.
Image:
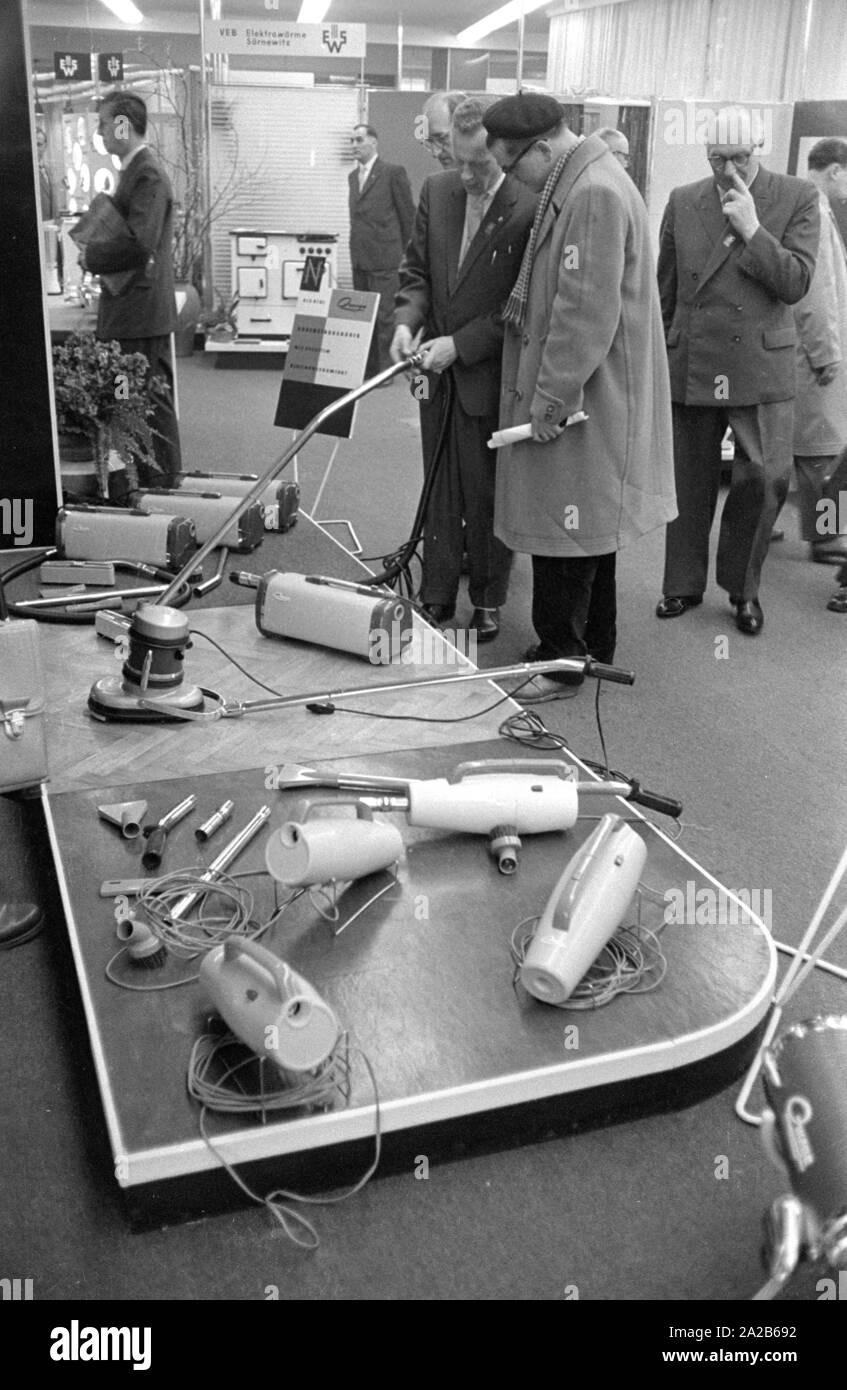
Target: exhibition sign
327	355
273	39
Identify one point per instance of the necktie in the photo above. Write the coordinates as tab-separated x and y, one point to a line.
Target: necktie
363	178
473	217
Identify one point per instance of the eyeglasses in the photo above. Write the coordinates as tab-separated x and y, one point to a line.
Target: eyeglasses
741	161
513	163
440	141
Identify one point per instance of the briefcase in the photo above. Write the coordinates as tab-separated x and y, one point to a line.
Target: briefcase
102	222
23	747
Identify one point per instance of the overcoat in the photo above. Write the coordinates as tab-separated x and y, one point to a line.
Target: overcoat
820	412
591	340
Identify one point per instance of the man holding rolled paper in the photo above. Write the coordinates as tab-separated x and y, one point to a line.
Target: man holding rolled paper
584	368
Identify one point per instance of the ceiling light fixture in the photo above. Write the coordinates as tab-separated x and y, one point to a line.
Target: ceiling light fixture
313	11
124	10
498	19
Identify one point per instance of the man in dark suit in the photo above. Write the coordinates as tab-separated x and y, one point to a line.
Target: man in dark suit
463	258
141	317
381	214
736	251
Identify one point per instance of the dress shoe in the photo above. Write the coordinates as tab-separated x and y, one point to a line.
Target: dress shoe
838	602
19	922
485	622
749	617
438	612
673	606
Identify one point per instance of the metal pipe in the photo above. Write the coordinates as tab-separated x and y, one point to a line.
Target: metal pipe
224	859
80	600
528	668
242	503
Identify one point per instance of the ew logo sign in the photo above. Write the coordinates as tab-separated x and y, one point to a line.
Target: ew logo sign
334	38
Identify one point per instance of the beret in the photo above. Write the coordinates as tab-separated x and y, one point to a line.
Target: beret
523	116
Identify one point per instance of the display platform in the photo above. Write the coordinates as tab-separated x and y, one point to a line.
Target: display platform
422	981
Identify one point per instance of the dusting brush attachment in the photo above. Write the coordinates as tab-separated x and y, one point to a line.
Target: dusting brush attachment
143	946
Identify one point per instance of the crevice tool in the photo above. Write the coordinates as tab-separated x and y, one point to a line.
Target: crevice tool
157	835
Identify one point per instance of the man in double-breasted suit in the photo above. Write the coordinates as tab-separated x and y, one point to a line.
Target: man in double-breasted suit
584	344
460	264
143	315
737	250
381	214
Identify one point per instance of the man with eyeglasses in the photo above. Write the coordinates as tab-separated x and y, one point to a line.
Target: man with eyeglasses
434	125
460	264
583	343
737	250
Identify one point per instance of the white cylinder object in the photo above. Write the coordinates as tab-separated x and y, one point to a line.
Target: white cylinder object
340	848
530	804
584	911
266	1004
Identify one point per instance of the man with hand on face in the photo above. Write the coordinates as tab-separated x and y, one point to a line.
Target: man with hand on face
469	234
737	249
583	341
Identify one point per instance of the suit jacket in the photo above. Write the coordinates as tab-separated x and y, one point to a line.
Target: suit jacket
820	412
726	305
591	340
146	309
465	304
381	216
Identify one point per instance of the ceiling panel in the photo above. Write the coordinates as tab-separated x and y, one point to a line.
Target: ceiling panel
450	16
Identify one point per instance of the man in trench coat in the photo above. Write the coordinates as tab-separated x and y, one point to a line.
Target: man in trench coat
583	334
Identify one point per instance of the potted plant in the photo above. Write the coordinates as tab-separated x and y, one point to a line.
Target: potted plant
220	323
104	399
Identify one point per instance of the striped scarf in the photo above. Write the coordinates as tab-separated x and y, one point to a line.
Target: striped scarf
515	310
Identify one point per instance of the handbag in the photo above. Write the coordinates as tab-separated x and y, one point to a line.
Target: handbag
103	222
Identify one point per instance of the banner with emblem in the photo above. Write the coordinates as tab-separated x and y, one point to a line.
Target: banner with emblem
273	39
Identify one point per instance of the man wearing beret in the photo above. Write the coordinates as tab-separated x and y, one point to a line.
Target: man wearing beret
737	249
583	339
460	264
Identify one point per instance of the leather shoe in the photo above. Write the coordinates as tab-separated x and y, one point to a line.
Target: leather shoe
485	622
438	612
749	617
838	602
673	606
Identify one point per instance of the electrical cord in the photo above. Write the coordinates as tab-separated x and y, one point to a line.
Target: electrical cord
632	962
318	1091
196	632
398	563
72	613
186	938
